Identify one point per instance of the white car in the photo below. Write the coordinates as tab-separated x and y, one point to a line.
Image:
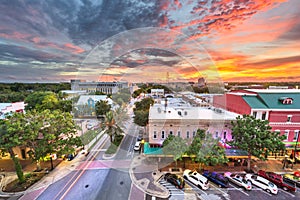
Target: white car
262	183
196	178
137	146
238	180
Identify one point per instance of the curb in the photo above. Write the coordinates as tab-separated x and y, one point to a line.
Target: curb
156	176
110	156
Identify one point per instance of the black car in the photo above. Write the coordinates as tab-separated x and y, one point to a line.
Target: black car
174	179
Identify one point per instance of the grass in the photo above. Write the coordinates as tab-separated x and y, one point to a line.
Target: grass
114	145
30	179
89	136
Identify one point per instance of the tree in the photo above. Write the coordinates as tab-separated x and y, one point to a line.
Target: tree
255	137
102	107
11	131
111	128
35	99
175	146
141	117
144	104
121	115
48	132
122	97
141	111
206	150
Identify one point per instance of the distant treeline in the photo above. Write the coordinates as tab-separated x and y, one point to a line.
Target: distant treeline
15	92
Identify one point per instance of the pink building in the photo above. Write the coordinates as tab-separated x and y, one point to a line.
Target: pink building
281	107
182	120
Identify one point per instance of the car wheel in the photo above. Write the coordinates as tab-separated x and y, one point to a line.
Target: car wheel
184	177
199	187
268	191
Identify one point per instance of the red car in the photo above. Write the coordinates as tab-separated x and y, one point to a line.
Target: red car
278	180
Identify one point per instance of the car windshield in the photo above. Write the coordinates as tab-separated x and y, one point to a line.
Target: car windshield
244	181
271	184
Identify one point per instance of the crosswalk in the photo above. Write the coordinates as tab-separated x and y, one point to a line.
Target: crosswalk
175	193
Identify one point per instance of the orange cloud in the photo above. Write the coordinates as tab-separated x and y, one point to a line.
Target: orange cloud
73	48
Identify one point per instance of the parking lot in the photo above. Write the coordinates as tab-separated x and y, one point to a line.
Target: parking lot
232	192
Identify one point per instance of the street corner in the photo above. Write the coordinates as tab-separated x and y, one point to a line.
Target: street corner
145	176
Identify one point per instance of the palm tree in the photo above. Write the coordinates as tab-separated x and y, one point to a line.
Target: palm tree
111	127
120	115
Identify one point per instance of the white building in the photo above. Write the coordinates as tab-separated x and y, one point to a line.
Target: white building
105	87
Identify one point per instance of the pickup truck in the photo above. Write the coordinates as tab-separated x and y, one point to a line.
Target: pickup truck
278	180
216	178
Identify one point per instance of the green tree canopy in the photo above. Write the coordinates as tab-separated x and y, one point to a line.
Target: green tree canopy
175	146
255	137
144	104
48	132
12	130
111	128
122	97
206	150
141	117
102	107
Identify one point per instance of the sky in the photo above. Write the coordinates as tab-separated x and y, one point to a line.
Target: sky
149	40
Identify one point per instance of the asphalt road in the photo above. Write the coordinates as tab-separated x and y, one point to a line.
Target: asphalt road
102	182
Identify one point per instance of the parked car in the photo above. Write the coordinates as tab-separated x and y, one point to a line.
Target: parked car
137	146
292	178
174	179
278	180
196	178
238	180
216	178
262	183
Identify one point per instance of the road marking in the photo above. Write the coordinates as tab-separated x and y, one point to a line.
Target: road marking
194	186
79	173
217	188
286	192
239	189
265	192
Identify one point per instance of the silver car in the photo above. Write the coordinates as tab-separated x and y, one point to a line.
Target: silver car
238	180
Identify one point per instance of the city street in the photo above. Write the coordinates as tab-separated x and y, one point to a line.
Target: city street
99	176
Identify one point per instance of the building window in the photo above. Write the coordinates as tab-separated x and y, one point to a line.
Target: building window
178	133
224	135
263	116
255	114
194	133
162	134
171	132
217	134
289	118
187	134
286	133
154	135
296	135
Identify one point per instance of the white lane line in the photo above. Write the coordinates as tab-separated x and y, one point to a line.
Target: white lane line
281	190
239	189
194	187
217	188
265	192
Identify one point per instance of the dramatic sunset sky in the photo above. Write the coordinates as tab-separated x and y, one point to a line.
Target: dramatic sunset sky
149	40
